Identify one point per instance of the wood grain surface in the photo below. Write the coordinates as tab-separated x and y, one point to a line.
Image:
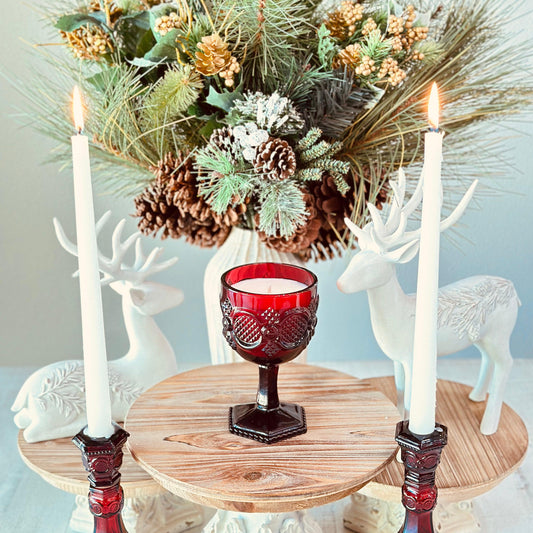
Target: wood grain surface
471	463
59	463
179	434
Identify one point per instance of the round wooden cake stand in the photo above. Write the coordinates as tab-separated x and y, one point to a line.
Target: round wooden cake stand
471	464
59	463
179	434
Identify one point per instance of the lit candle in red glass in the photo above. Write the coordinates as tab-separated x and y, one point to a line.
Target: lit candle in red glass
272	326
269	317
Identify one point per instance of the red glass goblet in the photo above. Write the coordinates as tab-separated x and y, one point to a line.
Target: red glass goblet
269	317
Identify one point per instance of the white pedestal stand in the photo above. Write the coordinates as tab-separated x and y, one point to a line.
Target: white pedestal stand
370	515
233	522
164	513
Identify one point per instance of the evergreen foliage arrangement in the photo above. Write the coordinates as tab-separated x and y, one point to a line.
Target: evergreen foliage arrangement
281	116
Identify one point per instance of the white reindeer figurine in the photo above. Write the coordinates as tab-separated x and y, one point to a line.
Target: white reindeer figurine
51	403
479	310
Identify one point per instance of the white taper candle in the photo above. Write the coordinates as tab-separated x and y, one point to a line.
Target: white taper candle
94	349
424	378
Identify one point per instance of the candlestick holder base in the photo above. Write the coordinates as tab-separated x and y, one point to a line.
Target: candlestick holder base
421	457
249	421
102	458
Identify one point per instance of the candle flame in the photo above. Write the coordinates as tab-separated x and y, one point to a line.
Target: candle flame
433	107
77	108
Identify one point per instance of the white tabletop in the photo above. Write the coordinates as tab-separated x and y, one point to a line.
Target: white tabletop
28	504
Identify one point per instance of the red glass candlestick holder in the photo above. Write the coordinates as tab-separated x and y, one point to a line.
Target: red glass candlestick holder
421	457
102	458
268	329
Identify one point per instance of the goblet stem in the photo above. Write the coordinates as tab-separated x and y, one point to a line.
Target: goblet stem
267	392
267	420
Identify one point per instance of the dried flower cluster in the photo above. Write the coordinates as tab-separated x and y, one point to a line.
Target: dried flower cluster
382	52
89	42
166	23
404	31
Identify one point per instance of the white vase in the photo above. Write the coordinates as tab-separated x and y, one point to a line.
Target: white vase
241	247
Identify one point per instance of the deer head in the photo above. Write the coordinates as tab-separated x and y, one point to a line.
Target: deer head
148	298
384	244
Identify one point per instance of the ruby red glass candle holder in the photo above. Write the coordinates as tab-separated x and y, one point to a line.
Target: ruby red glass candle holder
268	329
102	458
421	457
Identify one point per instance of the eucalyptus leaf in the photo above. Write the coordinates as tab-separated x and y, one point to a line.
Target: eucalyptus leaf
211	121
223	100
168	39
196	110
210	126
136	38
160	53
141	20
145	44
70	23
165	48
143	62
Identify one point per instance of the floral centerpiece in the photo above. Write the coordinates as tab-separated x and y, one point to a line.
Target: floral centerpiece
281	116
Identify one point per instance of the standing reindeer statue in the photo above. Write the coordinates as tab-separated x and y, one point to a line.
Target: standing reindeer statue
479	310
51	403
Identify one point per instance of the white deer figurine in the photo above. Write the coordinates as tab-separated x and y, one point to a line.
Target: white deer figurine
51	403
479	310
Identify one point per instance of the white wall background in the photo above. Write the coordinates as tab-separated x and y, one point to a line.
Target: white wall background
39	301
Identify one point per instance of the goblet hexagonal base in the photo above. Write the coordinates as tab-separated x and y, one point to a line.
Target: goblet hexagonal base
248	421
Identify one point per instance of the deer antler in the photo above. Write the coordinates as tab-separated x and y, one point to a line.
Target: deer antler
147	264
361	235
396	210
113	268
392	233
449	221
389	233
66	243
385	234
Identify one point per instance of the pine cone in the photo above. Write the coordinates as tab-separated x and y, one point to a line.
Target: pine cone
224	140
172	204
302	238
347	57
336	25
342	22
213	56
331	208
276	159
